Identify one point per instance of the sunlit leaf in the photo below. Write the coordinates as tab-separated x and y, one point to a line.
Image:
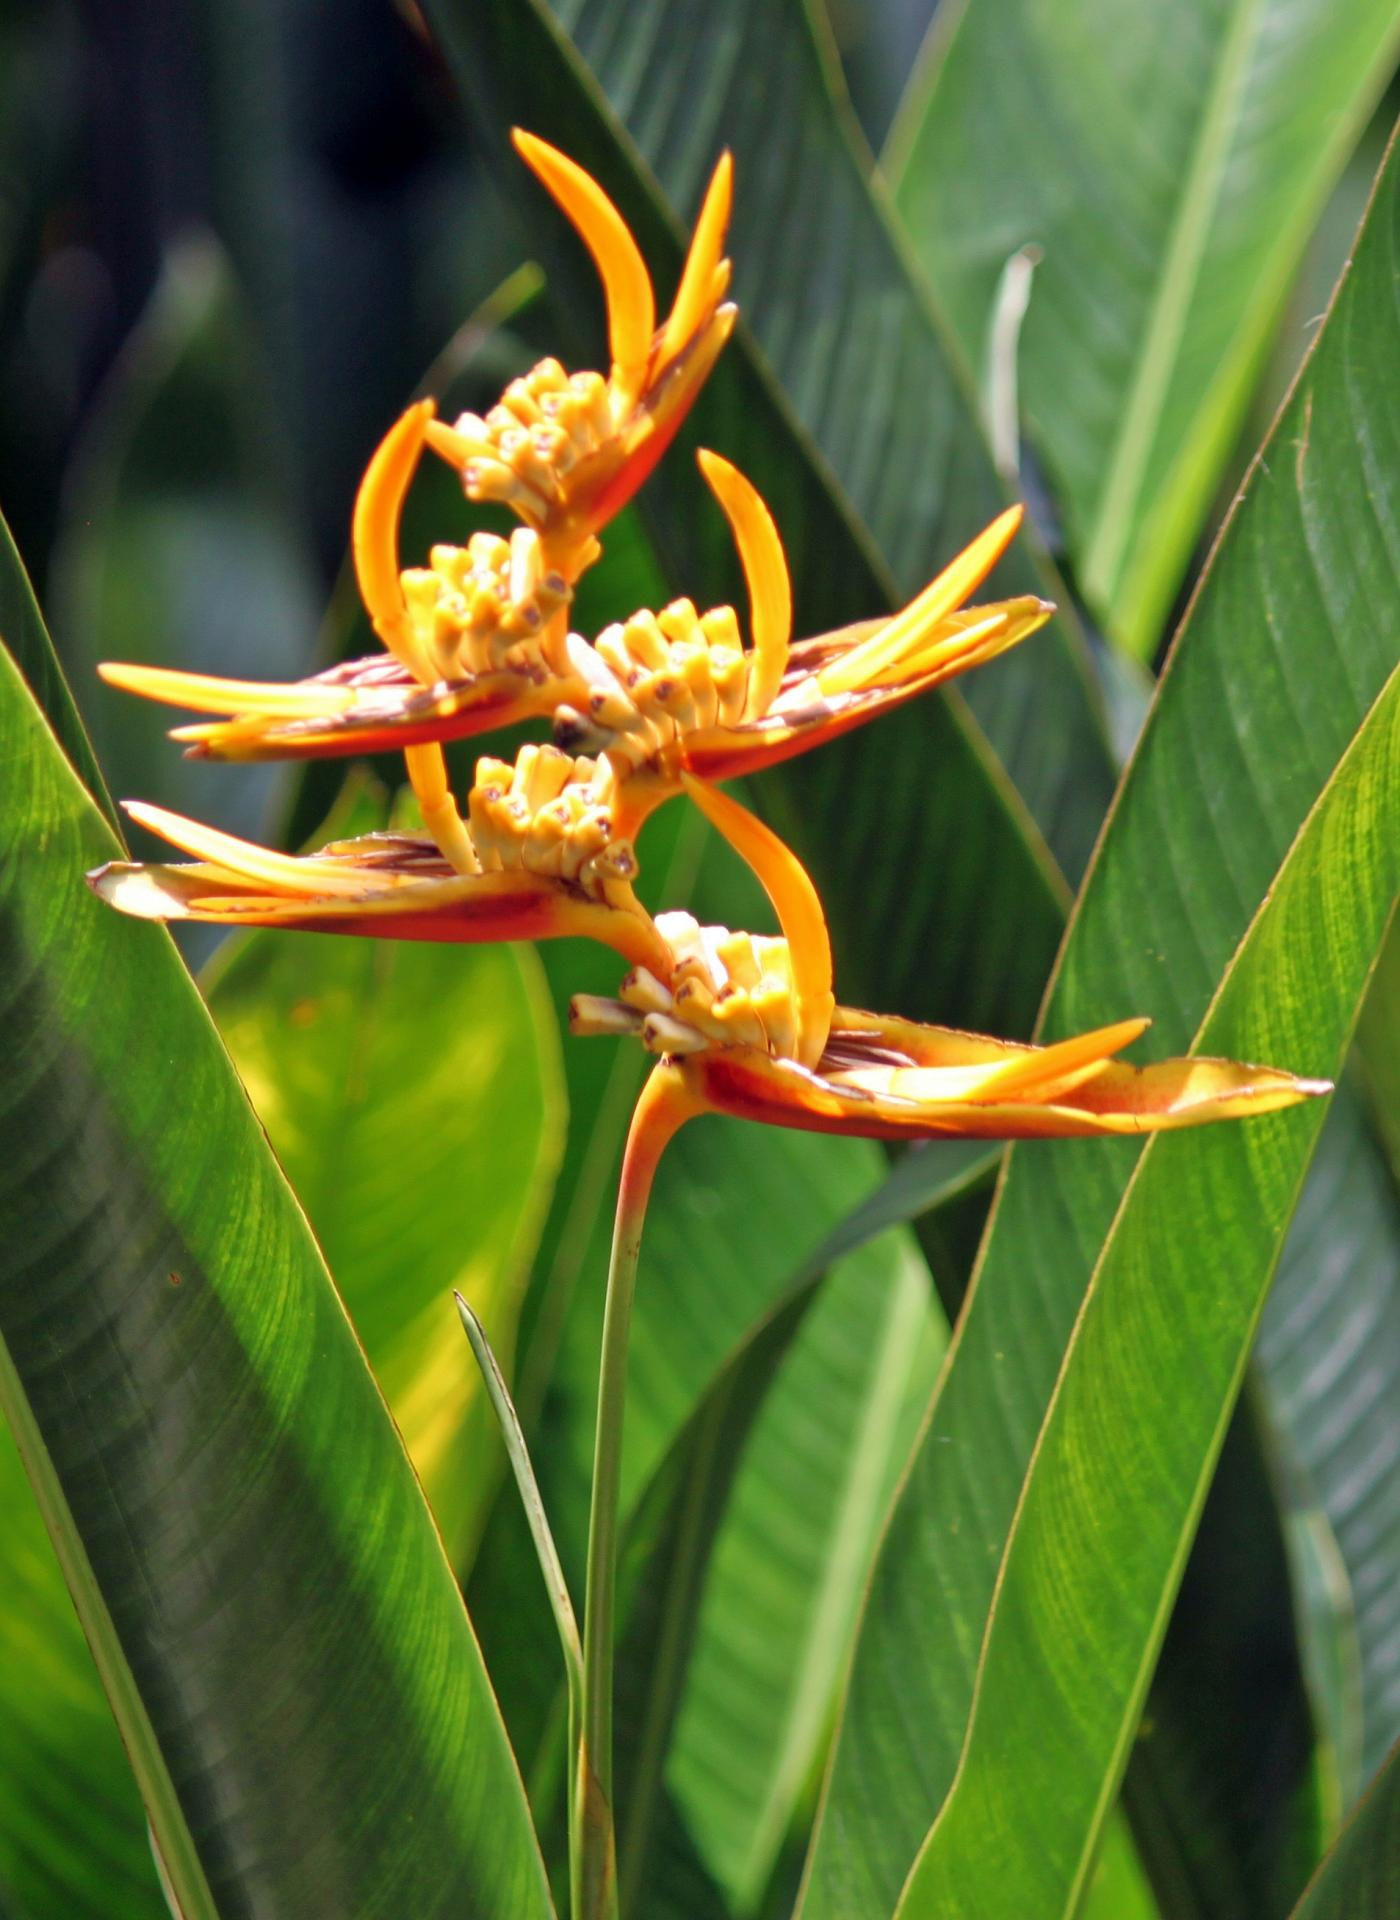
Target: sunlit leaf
1170	165
296	1681
413	1094
1287	651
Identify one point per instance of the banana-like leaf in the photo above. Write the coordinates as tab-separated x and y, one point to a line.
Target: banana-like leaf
1329	1378
1232	1789
864	808
1169	166
775	1621
1360	1878
1158	1353
414	1097
1119	1889
1286	652
749	1541
1378	1039
294	1675
72	1833
22	626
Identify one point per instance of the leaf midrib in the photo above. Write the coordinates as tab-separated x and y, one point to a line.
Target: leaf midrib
1123	481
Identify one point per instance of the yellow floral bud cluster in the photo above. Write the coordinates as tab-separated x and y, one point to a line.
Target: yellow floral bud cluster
488	607
550	815
524	449
656	677
728	989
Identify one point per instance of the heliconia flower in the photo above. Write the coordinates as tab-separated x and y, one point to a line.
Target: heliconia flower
747	1026
677	692
476	640
544	863
567	452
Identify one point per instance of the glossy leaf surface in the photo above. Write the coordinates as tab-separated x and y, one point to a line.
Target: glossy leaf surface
292	1667
1287	649
413	1095
1169	164
1360	1878
1159	1349
1329	1370
72	1832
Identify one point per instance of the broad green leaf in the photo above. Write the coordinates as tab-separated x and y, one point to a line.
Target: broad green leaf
745	1571
865	806
72	1833
775	1621
1290	642
1158	1354
272	1613
1329	1378
1378	1039
1231	1786
1119	1889
1170	164
177	547
22	630
1360	1878
414	1097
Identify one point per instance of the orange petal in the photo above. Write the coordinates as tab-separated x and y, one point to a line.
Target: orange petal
1115	1100
393	906
766	571
727	753
626	282
459	712
374	537
695	295
864	664
205	693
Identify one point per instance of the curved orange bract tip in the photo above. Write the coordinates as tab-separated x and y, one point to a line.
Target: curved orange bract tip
765	569
279	872
943	595
1039	1073
795	901
374	536
626	282
696	291
204	693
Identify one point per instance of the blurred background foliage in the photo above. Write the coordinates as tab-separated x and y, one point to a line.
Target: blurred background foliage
234	240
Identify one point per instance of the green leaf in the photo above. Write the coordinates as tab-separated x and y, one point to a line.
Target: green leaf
1171	167
177	547
1360	1878
1157	1354
1118	1890
295	1678
779	1604
413	1094
1329	1375
1231	1792
72	1833
749	1543
865	803
1290	643
22	631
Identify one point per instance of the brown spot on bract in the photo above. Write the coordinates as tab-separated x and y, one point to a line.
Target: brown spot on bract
176	1281
303	1013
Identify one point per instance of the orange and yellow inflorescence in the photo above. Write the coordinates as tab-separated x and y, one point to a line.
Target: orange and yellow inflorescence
665	701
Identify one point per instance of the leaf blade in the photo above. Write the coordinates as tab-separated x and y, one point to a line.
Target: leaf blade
157	1267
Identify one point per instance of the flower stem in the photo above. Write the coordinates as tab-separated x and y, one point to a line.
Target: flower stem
663	1105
